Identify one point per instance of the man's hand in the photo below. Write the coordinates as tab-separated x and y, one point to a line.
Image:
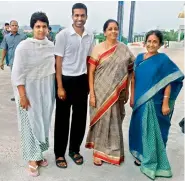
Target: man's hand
61	93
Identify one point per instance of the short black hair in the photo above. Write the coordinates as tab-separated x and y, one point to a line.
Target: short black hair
6	24
106	24
157	33
50	28
79	6
38	16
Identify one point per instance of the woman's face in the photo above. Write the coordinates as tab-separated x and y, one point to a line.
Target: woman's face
152	44
112	31
40	30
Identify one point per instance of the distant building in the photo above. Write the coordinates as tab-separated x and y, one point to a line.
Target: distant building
56	28
26	29
139	37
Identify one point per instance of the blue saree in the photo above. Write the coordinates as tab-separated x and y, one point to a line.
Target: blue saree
148	132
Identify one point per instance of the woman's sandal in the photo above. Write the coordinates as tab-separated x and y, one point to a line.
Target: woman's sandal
77	158
35	173
58	163
43	163
98	164
137	164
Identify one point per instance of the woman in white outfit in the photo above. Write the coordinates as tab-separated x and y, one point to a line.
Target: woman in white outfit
33	76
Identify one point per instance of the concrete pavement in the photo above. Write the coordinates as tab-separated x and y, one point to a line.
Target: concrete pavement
12	168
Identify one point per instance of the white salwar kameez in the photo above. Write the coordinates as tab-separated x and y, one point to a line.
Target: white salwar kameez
34	67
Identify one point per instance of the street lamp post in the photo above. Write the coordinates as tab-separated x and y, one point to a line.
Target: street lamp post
131	24
120	19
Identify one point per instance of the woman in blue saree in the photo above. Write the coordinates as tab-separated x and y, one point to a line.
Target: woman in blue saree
156	84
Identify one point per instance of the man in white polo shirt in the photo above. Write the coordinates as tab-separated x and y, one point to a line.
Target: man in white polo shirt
72	48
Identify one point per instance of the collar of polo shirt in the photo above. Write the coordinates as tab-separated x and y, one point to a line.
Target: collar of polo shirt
72	31
15	34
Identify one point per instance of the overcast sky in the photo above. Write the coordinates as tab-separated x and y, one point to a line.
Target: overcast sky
148	15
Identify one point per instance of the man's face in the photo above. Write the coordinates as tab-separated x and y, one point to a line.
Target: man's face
7	27
14	26
79	18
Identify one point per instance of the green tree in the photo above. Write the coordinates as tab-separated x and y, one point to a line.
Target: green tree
124	40
29	35
101	38
182	36
1	36
171	35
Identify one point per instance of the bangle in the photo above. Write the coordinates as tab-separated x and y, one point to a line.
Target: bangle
166	97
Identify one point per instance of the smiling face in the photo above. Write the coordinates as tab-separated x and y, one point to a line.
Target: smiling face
111	32
152	44
79	18
40	30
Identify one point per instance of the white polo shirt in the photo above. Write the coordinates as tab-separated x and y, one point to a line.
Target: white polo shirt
74	49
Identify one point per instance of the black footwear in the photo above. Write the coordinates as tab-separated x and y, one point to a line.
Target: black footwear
137	164
61	161
75	159
13	99
181	124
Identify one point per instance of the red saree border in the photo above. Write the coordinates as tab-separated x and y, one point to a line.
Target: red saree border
108	52
95	62
110	101
107	158
104	157
92	61
89	145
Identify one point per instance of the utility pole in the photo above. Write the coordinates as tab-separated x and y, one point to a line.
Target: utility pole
131	24
120	14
